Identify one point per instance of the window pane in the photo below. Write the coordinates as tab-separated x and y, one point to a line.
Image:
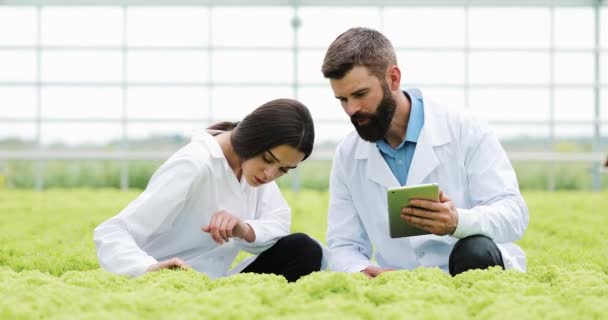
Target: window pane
574	104
604	105
506	133
17	102
449	98
574	68
82	102
17	26
179	131
514	68
72	134
322	103
81	66
81	26
234	103
509	27
22	131
604	26
17	65
329	132
574	131
252	26
427	67
189	103
168	66
449	32
604	68
316	31
309	66
168	26
510	104
253	66
574	27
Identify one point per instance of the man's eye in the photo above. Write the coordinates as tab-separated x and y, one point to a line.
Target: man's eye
266	159
284	170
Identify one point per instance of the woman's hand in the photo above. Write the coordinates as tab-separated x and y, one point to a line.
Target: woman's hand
224	226
175	263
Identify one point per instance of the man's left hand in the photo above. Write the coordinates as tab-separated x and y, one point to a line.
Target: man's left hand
439	218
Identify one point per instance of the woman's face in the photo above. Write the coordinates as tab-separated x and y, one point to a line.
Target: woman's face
271	164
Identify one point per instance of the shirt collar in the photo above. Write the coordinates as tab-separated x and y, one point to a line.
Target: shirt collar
414	126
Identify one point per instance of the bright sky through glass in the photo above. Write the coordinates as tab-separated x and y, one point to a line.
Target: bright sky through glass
168	68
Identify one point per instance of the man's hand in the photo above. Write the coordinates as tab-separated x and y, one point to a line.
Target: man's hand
175	263
224	226
373	271
439	218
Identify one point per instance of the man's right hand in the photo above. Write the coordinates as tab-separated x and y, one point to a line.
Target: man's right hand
373	271
175	263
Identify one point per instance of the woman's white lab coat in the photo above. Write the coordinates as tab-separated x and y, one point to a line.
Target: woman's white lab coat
165	221
471	168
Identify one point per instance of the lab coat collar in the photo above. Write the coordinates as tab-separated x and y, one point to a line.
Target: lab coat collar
202	136
434	133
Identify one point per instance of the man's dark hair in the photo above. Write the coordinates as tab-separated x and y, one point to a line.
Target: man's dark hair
277	122
359	47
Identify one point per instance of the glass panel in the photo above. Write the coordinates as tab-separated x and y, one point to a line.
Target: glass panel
321	25
81	66
17	131
168	66
574	27
572	132
85	134
81	26
158	134
22	19
574	104
234	103
329	134
518	137
512	68
604	68
604	26
604	105
427	67
322	104
184	103
428	33
309	66
252	26
18	102
510	104
574	68
168	26
509	27
18	65
449	98
74	102
253	66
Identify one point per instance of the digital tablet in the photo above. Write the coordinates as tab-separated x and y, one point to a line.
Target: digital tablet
400	197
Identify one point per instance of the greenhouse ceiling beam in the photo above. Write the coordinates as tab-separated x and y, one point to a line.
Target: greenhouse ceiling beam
425	3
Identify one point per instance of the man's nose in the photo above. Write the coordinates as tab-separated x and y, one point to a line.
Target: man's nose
352	107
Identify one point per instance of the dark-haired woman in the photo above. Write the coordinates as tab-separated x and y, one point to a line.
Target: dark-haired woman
215	197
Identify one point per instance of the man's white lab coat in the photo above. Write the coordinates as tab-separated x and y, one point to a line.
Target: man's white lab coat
453	150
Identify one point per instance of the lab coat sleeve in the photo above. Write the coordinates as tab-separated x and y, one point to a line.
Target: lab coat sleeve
349	245
119	239
499	211
272	220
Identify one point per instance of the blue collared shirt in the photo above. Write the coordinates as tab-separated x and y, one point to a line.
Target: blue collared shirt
400	158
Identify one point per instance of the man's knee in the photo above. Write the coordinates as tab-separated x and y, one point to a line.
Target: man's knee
474	252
